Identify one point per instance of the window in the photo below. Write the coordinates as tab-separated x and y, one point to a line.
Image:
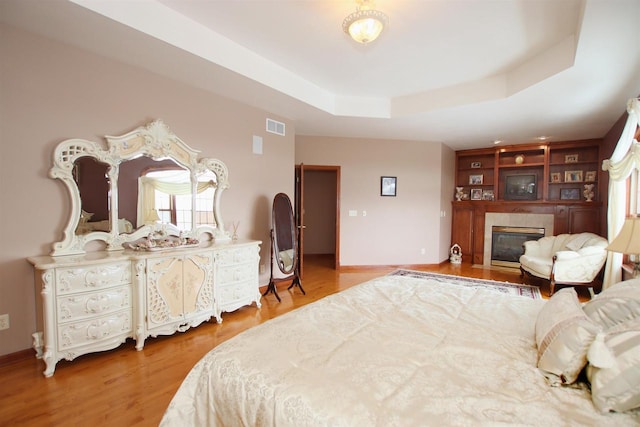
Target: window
172	198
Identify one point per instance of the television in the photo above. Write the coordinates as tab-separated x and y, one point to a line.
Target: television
521	187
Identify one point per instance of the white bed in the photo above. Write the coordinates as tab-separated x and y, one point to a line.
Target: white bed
395	351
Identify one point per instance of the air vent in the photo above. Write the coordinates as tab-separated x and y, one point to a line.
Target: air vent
275	127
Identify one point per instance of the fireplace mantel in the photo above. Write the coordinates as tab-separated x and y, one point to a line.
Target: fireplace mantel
468	220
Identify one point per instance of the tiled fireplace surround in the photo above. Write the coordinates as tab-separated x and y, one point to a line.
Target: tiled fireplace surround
513	220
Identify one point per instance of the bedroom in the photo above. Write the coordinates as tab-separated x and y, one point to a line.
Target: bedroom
93	95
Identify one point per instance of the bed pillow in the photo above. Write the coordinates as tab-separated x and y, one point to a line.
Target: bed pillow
563	335
614	368
615	305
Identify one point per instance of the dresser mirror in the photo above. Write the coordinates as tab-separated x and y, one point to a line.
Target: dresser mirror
146	181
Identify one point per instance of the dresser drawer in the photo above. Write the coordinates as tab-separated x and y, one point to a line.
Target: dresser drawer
81	306
237	255
236	273
92	331
93	277
230	295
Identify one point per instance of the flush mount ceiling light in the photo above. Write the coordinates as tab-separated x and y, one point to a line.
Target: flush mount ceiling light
366	23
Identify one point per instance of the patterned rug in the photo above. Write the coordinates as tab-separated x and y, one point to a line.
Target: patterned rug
502	287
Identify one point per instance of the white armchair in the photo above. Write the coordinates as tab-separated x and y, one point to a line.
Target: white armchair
570	259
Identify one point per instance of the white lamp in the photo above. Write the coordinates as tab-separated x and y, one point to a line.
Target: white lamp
366	23
628	241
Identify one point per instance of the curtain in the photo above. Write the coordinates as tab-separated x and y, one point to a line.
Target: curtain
625	158
146	193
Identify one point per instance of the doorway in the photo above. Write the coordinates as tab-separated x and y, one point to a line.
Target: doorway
318	212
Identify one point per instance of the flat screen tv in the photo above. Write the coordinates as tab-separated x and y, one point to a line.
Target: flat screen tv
520	187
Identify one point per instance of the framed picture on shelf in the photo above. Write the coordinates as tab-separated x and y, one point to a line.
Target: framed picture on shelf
571	158
476	194
569	194
388	185
487	195
476	165
572	176
555	177
475	180
590	176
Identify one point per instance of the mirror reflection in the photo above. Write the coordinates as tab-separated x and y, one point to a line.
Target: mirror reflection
284	232
91	178
149	192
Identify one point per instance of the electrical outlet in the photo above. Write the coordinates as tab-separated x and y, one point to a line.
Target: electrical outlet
262	268
4	322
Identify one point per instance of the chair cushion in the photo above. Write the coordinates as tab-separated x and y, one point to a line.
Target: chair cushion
540	267
578	241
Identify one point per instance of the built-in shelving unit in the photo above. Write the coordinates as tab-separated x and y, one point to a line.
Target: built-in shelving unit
551	172
559	178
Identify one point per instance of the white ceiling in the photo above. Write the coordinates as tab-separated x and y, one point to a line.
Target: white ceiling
460	72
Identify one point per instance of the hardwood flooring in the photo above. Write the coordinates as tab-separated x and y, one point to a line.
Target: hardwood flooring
124	387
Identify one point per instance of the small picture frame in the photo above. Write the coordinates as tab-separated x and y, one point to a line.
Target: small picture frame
569	194
590	176
487	195
571	158
573	176
476	165
476	194
476	180
555	177
388	185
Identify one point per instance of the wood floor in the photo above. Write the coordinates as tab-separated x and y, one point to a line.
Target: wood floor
125	387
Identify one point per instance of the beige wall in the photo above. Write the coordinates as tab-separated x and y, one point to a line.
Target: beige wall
50	92
395	229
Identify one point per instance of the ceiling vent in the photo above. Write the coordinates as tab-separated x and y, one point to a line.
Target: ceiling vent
275	127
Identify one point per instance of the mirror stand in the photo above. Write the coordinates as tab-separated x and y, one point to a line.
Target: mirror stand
295	277
284	245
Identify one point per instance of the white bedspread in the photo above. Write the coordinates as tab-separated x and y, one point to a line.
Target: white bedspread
395	351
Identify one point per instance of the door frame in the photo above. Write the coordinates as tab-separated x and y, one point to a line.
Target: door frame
299	203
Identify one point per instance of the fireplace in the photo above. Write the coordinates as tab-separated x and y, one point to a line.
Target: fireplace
506	243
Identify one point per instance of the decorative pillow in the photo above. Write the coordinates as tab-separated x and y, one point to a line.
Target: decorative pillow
614	368
578	241
617	304
563	335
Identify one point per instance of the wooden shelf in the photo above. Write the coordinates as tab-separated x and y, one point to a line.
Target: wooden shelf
541	160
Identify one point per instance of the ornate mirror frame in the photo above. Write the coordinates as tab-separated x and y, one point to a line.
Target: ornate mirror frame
156	141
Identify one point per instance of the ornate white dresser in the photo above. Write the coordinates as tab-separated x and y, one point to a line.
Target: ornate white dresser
94	302
172	281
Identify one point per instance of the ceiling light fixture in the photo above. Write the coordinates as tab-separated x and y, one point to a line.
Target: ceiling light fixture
365	24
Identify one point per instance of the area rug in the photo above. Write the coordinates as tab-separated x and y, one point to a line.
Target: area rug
492	285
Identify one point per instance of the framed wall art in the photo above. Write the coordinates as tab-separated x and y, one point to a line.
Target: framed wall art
388	185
